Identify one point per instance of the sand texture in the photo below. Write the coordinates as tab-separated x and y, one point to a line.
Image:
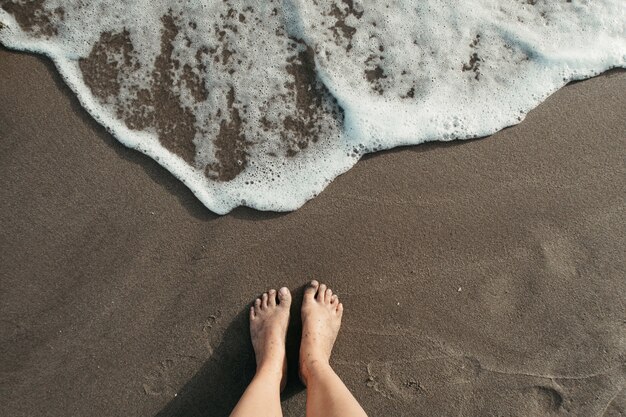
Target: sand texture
480	278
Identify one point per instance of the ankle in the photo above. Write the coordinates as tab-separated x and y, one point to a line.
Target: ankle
273	360
312	368
269	374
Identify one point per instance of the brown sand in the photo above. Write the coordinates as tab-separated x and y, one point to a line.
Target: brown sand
479	278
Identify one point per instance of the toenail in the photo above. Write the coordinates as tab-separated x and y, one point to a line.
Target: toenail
283	291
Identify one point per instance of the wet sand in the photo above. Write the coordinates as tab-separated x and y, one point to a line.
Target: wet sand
479	278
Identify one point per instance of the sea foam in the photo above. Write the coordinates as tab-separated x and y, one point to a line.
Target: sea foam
262	104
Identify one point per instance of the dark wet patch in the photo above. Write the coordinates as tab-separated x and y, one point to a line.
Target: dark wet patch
193	79
194	83
33	17
175	124
374	77
141	114
351	9
158	106
226	54
341	28
375	74
311	99
231	146
102	68
474	59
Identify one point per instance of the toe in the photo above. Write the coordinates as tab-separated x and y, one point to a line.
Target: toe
264	300
328	296
334	300
257	305
272	298
284	297
321	292
252	313
311	289
340	309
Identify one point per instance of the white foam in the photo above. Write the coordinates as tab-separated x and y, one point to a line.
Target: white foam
423	83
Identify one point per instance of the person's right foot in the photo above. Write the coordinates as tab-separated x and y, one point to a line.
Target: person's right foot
269	319
321	319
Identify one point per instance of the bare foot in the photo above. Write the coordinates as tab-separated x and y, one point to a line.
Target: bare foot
321	319
269	319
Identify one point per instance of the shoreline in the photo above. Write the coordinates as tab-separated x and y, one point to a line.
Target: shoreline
120	289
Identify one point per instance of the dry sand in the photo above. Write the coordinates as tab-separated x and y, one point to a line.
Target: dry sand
479	278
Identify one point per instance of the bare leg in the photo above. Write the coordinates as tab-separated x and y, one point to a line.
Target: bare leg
268	329
327	396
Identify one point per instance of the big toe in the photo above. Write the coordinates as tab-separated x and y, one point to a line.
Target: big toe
284	297
311	290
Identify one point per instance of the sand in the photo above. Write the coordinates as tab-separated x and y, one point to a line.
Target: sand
479	278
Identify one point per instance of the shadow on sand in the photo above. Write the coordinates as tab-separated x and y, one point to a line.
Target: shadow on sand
215	389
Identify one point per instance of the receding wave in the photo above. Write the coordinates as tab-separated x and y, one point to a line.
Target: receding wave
264	103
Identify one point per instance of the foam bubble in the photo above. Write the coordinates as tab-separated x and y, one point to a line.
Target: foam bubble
264	103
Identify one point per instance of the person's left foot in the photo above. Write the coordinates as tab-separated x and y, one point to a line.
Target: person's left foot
269	318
